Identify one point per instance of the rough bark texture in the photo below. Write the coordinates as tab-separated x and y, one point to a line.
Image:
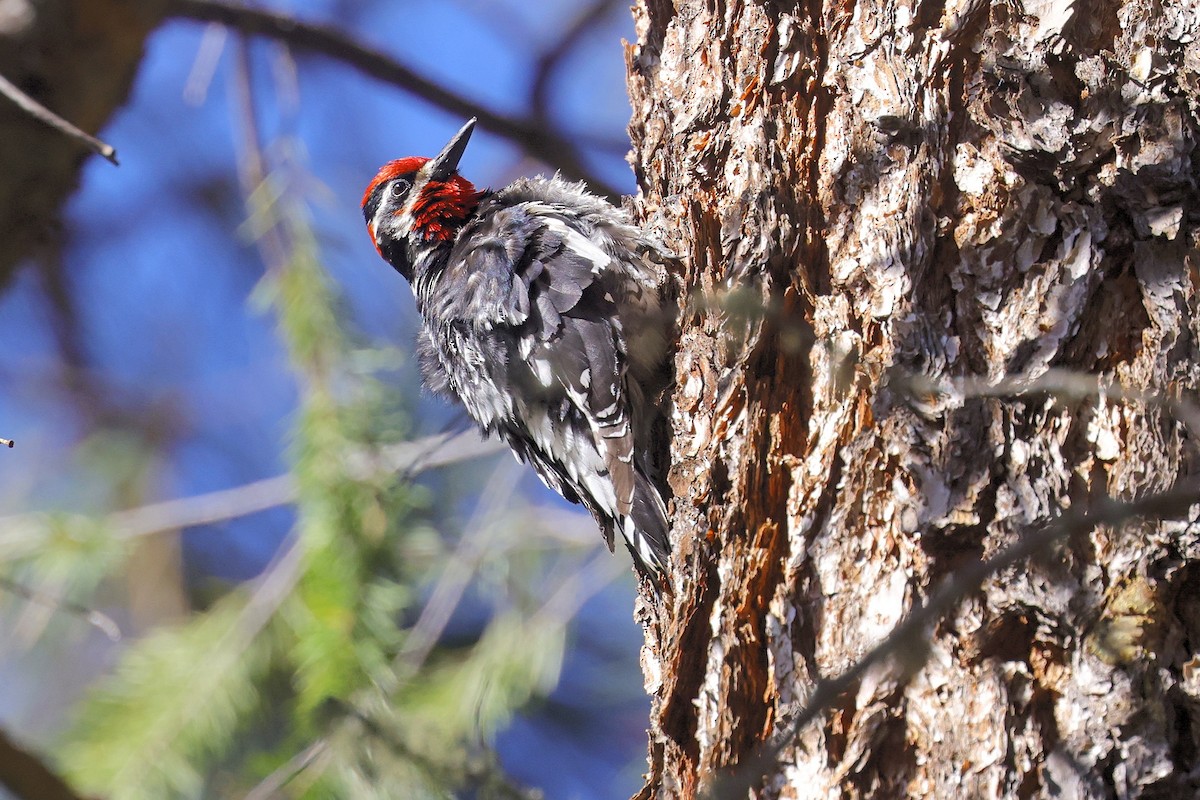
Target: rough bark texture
870	191
77	58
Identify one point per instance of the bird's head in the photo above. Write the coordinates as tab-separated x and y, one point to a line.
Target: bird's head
419	202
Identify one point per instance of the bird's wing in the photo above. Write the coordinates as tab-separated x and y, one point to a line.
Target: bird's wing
534	277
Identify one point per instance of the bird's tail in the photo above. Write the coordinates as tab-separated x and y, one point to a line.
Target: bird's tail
645	529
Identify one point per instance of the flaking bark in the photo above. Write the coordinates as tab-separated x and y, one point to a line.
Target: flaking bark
870	197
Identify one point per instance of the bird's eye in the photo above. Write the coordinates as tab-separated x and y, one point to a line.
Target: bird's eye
399	188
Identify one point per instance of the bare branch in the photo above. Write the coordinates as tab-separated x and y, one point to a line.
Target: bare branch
251	162
581	585
270	786
548	64
472	550
204	65
204	509
7	442
42	114
268	591
906	644
535	139
410	458
97	619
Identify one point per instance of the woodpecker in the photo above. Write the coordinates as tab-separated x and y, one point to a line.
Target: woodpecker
543	313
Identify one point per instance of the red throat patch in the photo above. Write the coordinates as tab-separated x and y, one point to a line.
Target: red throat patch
442	207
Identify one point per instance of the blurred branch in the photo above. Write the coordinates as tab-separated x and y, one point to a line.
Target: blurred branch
7	442
578	587
44	115
509	26
204	66
1062	384
88	397
534	138
411	458
906	648
268	592
584	580
97	619
471	551
28	778
269	787
548	64
251	163
204	509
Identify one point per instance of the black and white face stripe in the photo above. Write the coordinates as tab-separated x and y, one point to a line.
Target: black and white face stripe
384	212
388	198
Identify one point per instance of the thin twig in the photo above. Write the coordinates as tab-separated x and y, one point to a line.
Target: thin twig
270	785
44	115
1061	383
251	161
410	458
535	139
601	569
204	65
203	509
469	554
97	619
913	628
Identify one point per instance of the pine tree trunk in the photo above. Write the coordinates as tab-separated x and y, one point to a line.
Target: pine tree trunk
894	217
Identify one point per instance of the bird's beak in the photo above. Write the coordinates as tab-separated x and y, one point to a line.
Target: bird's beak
442	167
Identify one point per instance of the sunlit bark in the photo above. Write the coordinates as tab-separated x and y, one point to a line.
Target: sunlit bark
872	197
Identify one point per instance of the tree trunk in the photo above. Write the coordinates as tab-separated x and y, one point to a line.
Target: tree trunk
904	225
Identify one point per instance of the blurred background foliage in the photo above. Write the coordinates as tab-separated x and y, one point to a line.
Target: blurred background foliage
242	555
